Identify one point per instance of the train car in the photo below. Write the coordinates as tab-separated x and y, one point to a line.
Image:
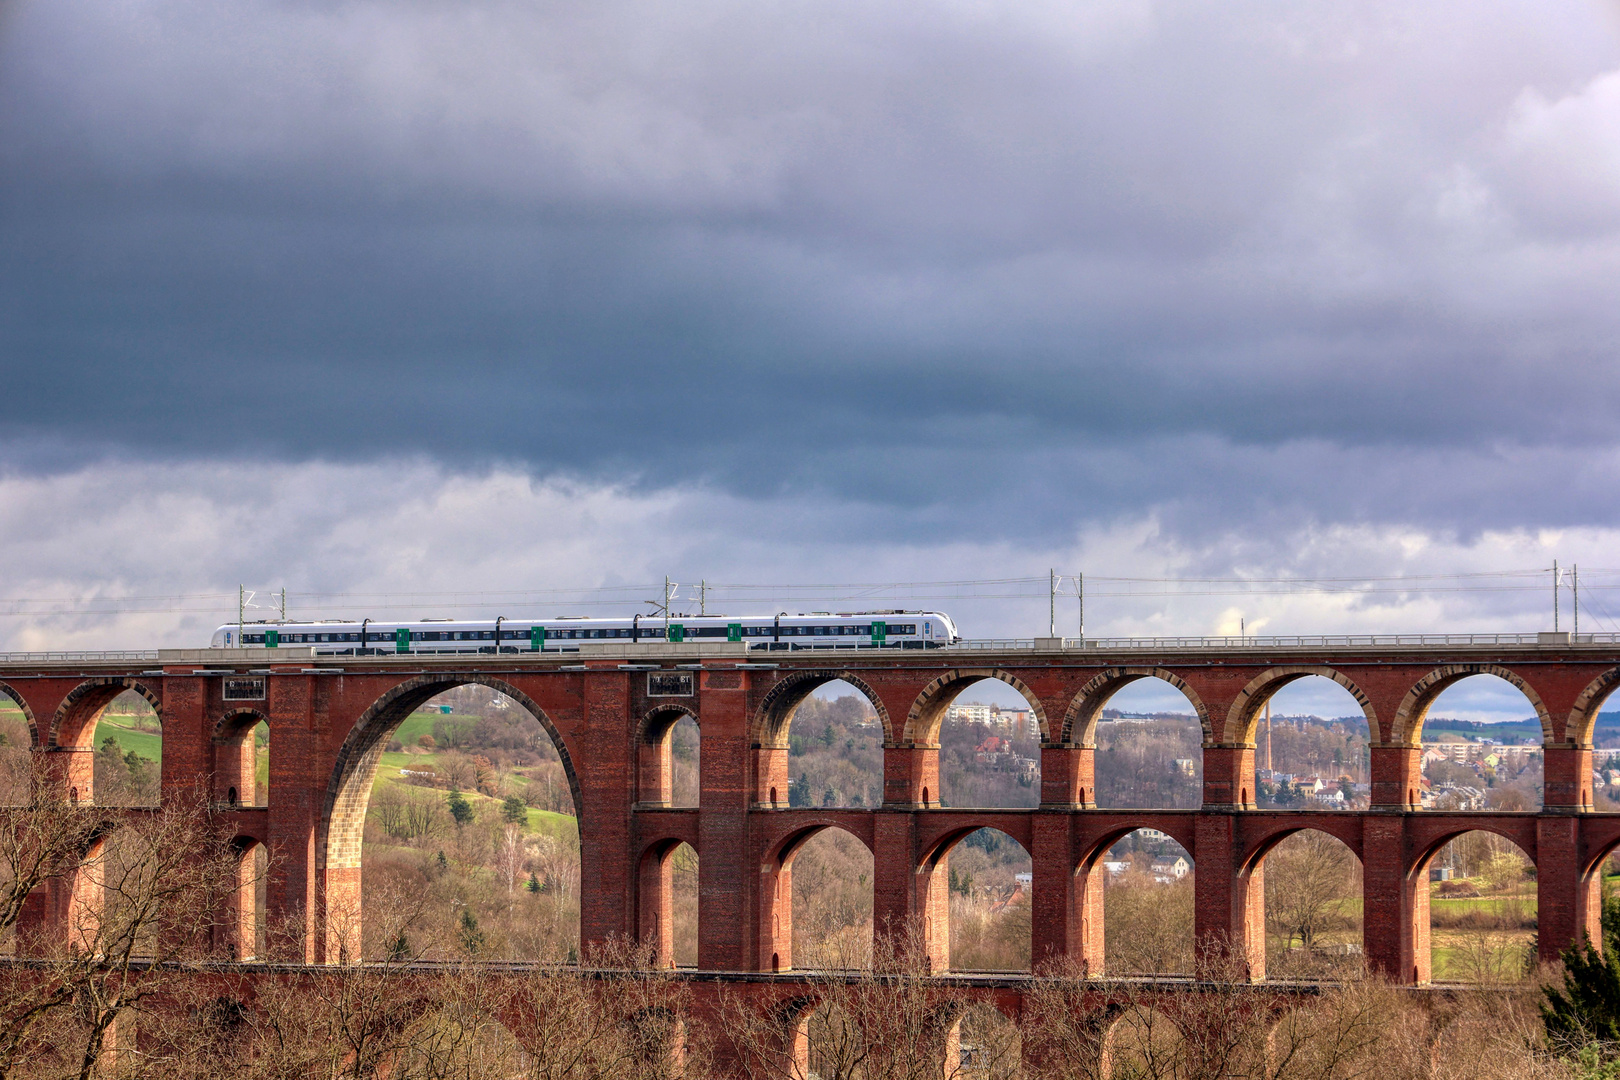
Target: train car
817	630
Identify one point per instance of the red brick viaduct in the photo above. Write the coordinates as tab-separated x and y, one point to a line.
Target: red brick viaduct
611	708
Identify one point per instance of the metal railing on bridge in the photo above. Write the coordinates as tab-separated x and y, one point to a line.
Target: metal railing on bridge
73	657
1088	644
1296	641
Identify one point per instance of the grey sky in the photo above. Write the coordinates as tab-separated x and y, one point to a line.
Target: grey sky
1194	286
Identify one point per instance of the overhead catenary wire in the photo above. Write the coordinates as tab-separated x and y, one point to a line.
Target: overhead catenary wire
875	593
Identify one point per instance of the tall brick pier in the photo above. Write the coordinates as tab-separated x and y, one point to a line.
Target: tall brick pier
611	708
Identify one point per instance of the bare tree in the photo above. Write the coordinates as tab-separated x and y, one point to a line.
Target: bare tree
149	889
1307	877
892	1022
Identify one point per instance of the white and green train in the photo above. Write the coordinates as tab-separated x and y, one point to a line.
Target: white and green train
846	630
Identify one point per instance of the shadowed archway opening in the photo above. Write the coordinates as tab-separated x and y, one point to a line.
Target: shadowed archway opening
818	904
1477	911
686	762
1482	747
669	767
242	759
1143	1041
684	910
667	903
450	829
125	751
240	928
1147	901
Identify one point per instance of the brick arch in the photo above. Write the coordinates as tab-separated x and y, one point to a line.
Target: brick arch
771	720
1243	717
1183	834
937	847
666	842
1157	1010
1594	862
1347	833
1080	722
93	695
225	729
343	811
1414	878
775	951
928	710
652	873
1583	716
27	711
1407	727
1426	851
783	849
657	721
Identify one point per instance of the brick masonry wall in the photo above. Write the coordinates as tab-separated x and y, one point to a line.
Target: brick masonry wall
330	719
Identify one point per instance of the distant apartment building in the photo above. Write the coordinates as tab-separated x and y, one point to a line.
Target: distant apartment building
1480	753
1016	722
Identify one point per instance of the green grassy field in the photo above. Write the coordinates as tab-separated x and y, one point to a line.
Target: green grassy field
540	822
122	730
1495	905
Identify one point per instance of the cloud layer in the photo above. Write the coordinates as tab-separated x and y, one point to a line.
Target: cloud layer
893	253
788	292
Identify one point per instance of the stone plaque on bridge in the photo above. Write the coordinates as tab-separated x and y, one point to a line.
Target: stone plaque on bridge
244	688
669	684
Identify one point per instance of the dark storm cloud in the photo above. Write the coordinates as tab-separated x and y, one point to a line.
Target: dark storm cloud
1061	260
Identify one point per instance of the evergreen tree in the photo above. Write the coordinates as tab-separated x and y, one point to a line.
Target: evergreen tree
460	808
1611	922
1586	1010
515	811
472	938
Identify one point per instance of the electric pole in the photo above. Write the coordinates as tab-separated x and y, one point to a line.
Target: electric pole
1051	603
1080	589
